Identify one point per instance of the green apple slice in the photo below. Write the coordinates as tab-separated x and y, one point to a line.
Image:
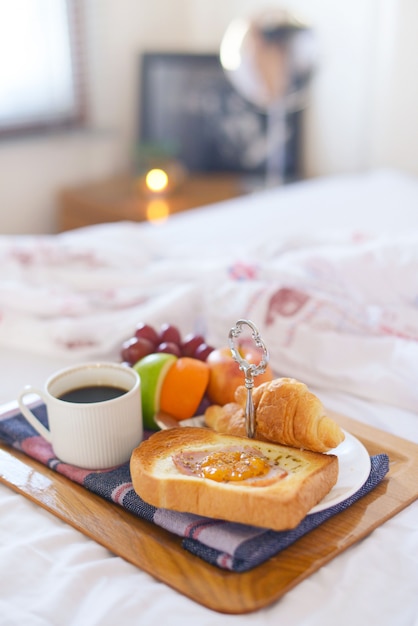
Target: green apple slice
152	370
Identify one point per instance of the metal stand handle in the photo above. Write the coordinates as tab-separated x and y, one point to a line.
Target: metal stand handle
250	369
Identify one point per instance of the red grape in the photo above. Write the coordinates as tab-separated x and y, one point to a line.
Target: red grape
202	352
136	348
145	331
170	334
190	343
169	347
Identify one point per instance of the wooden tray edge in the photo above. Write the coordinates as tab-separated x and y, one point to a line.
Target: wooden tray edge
161	555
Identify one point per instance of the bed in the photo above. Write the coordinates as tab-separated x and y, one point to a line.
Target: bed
328	271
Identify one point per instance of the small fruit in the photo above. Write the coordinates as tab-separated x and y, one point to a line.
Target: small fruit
169	333
191	343
146	340
152	370
183	387
169	347
145	331
203	351
225	375
136	348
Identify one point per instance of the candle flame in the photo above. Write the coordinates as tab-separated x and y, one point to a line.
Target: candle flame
156	180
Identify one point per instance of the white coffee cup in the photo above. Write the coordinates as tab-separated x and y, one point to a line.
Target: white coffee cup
90	430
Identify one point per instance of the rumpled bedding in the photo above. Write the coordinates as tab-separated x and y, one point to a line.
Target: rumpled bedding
232	250
339	312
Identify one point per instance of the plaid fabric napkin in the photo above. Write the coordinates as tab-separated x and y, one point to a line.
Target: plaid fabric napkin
228	545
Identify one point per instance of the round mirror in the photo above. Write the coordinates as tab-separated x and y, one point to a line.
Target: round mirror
269	58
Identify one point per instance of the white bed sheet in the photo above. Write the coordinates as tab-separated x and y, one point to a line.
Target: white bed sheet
52	574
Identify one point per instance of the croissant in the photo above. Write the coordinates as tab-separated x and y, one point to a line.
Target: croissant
286	413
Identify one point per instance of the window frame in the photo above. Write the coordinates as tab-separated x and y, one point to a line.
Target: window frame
78	118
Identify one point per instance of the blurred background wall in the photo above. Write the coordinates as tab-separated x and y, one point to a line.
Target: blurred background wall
361	114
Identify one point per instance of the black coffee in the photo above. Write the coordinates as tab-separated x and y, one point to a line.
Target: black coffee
94	393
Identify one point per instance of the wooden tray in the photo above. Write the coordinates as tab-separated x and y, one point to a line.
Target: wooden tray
160	553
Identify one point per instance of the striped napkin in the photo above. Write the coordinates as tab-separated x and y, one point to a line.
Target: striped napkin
228	545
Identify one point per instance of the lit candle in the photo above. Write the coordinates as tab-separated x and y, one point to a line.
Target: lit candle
156	180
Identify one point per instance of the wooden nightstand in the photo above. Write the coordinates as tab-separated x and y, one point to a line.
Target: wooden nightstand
120	199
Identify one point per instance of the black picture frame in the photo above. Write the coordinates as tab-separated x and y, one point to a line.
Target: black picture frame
189	108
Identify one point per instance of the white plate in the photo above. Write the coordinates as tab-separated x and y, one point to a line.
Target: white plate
354	469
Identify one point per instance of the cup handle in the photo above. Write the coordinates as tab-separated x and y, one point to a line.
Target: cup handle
27	413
